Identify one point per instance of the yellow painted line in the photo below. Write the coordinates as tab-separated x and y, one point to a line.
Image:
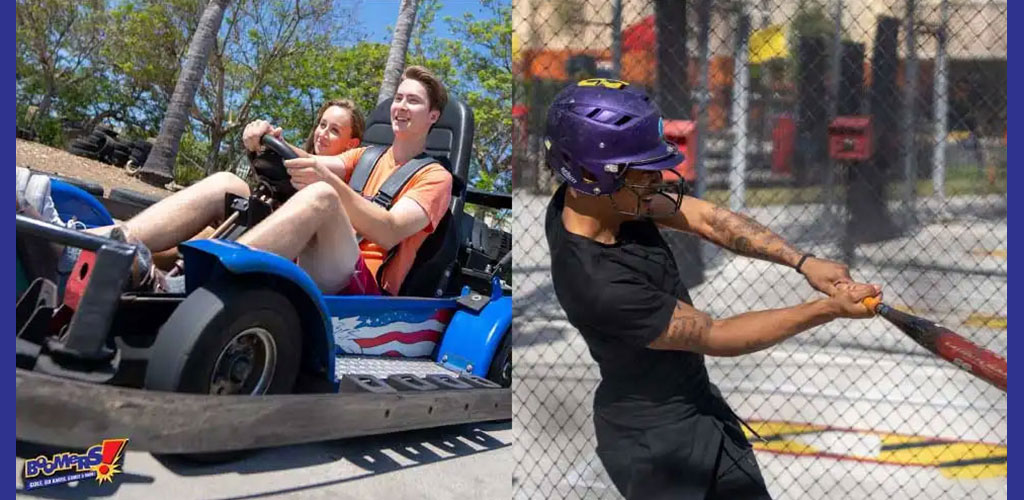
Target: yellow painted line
769	429
773	428
891	439
984	471
786	446
954	459
936	454
981	252
986	321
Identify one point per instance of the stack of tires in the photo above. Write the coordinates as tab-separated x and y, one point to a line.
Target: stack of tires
26	134
103	145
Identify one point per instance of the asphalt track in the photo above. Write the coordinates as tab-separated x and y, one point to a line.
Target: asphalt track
442	463
851	410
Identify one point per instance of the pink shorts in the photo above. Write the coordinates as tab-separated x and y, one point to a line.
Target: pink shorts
362	281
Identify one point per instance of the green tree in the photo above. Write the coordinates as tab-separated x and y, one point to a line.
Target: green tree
399	46
475	62
57	44
145	54
159	167
252	55
293	95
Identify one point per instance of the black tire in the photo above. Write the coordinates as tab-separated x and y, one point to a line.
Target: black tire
139	157
123	148
94	141
107	131
133	197
84	153
500	371
118	159
189	346
89	187
106	150
83	145
144	146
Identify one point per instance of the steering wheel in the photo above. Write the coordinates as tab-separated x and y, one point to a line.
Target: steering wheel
270	171
278	147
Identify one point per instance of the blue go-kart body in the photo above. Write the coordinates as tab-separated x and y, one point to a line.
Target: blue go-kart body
337	326
75	201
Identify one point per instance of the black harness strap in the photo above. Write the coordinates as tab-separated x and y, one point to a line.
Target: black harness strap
385	196
399	178
363	168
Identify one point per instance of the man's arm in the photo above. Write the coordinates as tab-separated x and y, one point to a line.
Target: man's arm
693	330
384	227
335	164
745	236
731	230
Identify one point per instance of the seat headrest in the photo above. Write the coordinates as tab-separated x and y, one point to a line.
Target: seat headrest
451	138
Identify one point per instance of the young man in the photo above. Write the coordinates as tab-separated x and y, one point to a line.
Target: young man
663	429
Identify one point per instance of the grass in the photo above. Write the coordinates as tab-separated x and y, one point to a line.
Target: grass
960	181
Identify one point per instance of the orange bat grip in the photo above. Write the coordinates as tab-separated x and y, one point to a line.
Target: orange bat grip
871	302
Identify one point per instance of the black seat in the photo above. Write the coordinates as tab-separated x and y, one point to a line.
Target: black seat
451	142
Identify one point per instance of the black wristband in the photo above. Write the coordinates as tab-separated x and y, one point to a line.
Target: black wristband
802	260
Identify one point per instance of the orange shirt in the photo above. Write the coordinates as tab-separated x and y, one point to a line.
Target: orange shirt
431	188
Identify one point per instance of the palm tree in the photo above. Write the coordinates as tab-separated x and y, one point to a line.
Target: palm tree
159	167
399	45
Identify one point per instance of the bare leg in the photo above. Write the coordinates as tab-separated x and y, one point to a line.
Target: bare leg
313	227
166	259
184	214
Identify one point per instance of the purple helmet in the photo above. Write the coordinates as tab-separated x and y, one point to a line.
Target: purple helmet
598	128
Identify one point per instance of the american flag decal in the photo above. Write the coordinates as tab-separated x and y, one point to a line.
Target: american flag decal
396	334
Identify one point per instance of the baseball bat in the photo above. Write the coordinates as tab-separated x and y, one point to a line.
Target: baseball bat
981	363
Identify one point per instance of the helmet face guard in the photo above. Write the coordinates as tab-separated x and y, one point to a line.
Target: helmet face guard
656	199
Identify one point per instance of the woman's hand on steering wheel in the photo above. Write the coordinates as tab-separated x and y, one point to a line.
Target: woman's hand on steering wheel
254	131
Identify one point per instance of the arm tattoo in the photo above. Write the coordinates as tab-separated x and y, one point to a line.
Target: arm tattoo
688	329
747	237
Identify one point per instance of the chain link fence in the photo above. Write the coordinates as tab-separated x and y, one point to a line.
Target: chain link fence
749	90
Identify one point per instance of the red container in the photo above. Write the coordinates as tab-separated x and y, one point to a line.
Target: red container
684	134
783	141
849	138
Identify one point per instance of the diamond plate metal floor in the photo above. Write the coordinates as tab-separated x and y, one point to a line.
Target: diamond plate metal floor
383	367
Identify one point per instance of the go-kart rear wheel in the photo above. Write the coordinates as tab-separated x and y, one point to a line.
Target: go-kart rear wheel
226	339
500	371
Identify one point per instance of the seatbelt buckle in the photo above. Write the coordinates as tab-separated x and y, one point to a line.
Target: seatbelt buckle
383	199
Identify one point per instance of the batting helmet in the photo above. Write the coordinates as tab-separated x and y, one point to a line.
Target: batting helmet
598	129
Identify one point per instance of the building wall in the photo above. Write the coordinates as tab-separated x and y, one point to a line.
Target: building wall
977	28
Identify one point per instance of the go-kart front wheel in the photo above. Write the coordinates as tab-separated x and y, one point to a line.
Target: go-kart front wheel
500	370
227	339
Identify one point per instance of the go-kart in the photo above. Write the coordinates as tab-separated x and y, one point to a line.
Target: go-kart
251	325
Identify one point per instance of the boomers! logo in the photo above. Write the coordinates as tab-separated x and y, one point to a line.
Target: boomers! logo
101	461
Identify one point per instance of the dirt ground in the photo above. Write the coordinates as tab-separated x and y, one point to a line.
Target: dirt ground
56	161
